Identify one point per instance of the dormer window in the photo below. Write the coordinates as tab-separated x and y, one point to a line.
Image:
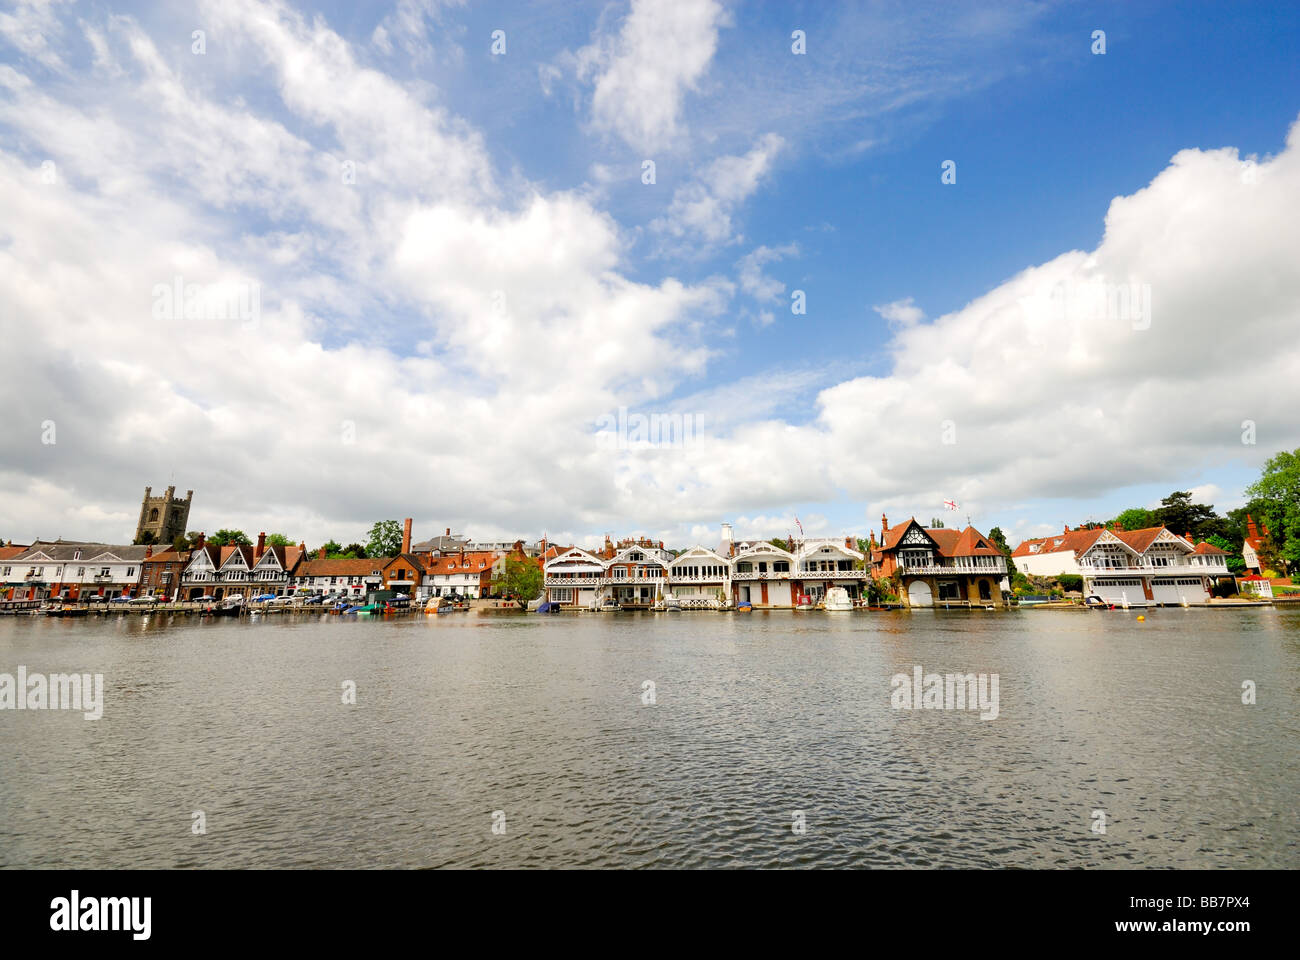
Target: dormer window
76	555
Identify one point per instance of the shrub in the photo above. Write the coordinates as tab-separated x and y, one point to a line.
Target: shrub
1070	581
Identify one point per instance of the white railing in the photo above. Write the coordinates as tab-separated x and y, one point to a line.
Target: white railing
832	574
629	581
563	580
935	569
697	578
1176	570
755	575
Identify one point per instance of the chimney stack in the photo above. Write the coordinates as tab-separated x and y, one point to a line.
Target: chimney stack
448	533
148	551
261	546
1067	528
321	553
406	536
1251	529
884	527
198	544
724	548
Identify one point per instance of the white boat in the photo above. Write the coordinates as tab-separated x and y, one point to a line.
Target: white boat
837	598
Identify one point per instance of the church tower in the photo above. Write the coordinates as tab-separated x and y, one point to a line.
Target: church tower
163	518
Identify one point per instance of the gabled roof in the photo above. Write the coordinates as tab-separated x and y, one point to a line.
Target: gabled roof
810	548
1205	547
574	554
894	535
697	552
285	557
243	552
650	555
761	546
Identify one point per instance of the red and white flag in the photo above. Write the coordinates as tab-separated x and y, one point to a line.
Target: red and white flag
799	525
950	504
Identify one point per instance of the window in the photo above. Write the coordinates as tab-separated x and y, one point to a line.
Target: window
81	572
780	566
130	572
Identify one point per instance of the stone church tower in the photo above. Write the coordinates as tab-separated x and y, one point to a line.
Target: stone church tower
164	517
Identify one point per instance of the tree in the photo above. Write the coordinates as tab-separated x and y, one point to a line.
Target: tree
1000	541
228	538
1180	515
521	582
1136	518
385	539
278	540
779	544
331	548
146	538
936	523
1279	488
355	551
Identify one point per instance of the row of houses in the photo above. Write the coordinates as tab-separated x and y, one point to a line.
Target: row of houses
929	567
933	566
78	571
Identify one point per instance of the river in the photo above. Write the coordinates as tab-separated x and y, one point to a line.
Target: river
493	740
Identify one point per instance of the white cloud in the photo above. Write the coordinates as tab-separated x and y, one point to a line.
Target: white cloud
701	211
901	314
641	77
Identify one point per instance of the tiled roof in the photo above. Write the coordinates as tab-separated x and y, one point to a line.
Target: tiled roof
951	543
1077	541
169	556
1206	547
1139	540
455	564
341	567
65	551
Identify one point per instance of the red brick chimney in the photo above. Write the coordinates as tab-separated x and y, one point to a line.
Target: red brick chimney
148	551
448	533
321	553
406	536
261	546
1067	528
884	527
198	544
1251	529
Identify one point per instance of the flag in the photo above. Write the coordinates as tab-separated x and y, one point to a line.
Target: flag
799	525
950	504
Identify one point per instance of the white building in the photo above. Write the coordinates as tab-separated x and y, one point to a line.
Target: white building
1149	567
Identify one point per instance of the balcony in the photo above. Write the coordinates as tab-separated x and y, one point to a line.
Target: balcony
570	580
699	578
755	575
102	578
1155	570
832	574
999	568
629	581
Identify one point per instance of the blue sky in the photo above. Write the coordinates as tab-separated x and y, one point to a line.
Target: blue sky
774	172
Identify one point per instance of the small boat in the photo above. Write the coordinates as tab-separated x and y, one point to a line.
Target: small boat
744	607
837	598
549	606
1095	602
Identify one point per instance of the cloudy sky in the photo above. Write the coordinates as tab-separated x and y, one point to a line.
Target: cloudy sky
332	265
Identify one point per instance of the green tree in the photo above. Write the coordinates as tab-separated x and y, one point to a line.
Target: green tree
385	539
1279	488
1000	541
779	544
1136	518
147	538
1180	515
278	540
228	538
355	551
521	582
331	548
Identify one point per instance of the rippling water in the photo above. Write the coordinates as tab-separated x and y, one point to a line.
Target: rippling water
756	717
